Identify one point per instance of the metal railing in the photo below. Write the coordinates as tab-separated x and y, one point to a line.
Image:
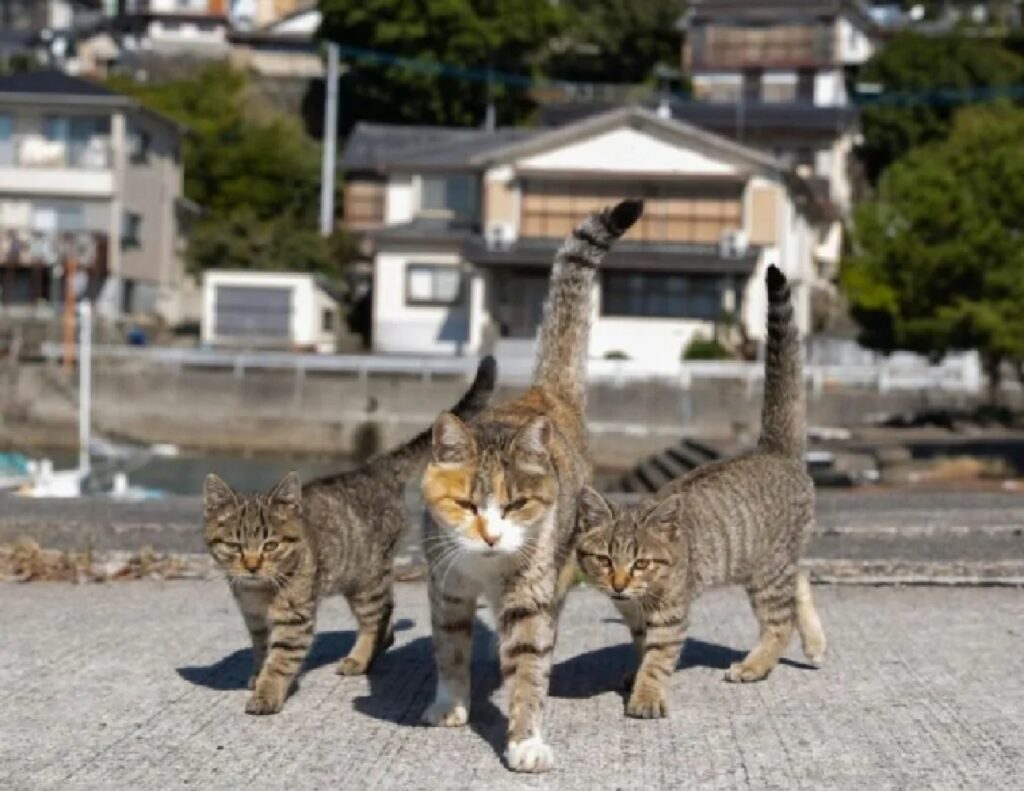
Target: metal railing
960	373
36	151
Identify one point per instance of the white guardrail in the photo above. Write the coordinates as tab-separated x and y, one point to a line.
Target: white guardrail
956	374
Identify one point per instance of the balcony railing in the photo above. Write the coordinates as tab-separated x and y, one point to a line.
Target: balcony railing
37	151
737	48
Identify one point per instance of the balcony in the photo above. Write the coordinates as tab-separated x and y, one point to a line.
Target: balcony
35	164
782	46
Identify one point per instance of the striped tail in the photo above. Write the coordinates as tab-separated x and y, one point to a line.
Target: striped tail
565	330
783	416
406	459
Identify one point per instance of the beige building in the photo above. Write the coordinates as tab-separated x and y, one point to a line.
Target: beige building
88	174
462	225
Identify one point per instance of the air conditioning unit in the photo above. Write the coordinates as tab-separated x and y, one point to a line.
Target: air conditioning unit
500	235
733	244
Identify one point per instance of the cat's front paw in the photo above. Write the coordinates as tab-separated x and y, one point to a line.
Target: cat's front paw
263	702
746	672
647	705
446	714
350	666
530	755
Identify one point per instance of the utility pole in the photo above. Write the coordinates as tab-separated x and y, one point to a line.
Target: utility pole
330	142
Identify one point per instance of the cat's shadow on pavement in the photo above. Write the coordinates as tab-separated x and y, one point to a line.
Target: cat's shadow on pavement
232	671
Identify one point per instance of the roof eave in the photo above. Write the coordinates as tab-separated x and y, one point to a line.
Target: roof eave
636	116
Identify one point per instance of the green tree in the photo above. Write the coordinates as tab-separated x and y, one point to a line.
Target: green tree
510	36
618	41
921	77
937	258
254	173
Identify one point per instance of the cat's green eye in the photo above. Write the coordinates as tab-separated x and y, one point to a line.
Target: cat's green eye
269	546
466	505
515	505
640	565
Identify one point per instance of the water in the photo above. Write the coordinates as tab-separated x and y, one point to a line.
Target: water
184	474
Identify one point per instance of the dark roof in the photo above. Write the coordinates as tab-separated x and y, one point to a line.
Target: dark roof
385	146
53	83
775	10
428	229
727	119
637	256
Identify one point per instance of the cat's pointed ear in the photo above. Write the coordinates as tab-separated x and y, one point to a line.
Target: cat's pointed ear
451	441
288	491
531	447
217	495
666	517
592	510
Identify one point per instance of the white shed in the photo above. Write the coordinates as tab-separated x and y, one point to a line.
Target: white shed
269	310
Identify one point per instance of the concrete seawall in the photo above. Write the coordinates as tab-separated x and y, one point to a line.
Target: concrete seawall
280	412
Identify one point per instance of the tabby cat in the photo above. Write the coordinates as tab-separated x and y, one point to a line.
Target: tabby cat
744	520
502	492
285	549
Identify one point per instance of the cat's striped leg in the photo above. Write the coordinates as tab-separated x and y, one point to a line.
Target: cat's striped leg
253	606
291	635
773	597
665	633
372	608
528	629
812	636
452	612
634	619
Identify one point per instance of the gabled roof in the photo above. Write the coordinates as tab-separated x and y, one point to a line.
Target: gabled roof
382	147
54	83
775	10
51	87
637	118
728	119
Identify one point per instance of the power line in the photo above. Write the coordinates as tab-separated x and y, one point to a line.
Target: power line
930	97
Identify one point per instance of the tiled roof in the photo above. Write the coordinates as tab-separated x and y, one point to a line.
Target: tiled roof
641	256
55	83
380	146
726	119
775	9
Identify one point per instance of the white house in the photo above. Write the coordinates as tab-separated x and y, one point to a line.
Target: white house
89	174
269	310
464	223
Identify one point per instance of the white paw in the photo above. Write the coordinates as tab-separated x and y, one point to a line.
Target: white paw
446	714
530	755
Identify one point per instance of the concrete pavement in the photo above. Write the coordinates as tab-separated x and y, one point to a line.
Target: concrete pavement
139	685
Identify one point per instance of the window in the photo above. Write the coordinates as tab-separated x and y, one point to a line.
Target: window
669	296
327	321
364	203
139	143
431	284
805	85
57	217
449	196
779	88
84	139
131	230
6	140
752	85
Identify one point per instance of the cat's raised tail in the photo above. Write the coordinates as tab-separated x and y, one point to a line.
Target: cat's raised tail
783	416
565	330
406	459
